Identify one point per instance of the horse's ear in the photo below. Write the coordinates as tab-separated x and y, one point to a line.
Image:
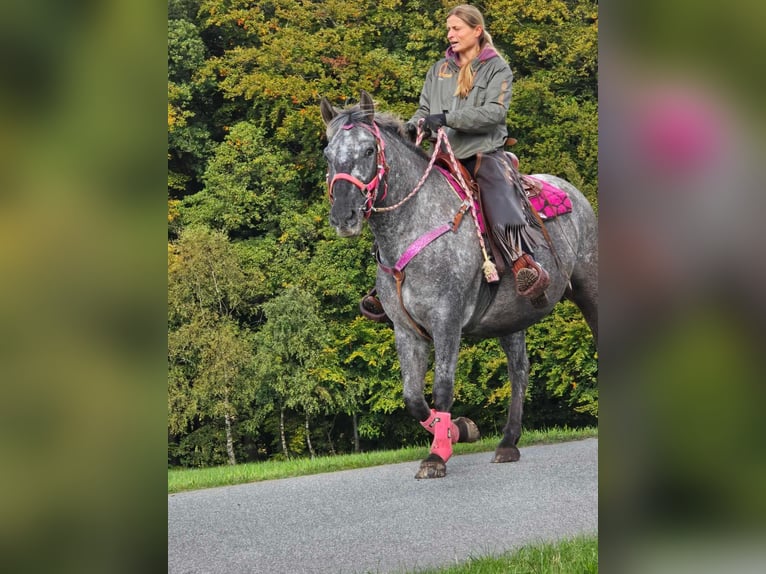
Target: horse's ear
367	106
328	112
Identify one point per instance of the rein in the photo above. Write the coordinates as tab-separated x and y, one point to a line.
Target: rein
441	137
489	269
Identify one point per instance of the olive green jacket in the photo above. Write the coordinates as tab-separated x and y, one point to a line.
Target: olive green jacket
475	123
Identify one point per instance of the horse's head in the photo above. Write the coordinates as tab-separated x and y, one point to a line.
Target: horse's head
356	164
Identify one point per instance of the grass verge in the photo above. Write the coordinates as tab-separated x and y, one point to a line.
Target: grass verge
196	478
573	556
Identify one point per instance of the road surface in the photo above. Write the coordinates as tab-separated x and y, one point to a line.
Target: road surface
382	520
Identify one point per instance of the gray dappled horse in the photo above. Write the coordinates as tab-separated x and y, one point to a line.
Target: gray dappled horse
372	167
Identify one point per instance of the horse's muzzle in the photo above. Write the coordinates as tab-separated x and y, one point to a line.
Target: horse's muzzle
347	232
346	222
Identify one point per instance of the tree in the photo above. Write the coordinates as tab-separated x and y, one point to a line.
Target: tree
293	356
189	137
209	354
218	355
563	359
368	353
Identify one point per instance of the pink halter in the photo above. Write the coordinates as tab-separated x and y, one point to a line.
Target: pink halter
370	189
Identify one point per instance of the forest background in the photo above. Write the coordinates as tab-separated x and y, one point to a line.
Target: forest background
268	356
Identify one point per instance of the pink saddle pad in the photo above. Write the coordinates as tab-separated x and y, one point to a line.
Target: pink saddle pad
547	199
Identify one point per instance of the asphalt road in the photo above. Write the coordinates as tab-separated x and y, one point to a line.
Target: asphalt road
383	520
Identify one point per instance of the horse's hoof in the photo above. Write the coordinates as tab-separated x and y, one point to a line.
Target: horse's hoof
469	432
432	467
506	454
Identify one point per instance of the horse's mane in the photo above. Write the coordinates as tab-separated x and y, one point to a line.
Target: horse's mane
388	122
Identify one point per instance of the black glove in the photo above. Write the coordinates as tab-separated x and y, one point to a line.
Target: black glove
411	130
435	121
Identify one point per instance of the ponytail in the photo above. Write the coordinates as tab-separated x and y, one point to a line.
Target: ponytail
464	81
465	77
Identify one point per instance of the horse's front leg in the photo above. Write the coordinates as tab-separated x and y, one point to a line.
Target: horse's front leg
413	353
515	347
439	421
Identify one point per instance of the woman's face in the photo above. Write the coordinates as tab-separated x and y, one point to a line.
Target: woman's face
463	39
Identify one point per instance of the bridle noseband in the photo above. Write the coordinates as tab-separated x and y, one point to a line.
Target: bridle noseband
370	189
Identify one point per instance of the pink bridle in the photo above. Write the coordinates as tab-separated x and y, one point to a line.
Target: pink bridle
370	189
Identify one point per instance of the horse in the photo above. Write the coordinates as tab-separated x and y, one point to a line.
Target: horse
439	294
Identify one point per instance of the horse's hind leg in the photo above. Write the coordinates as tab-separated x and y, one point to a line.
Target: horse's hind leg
584	292
515	347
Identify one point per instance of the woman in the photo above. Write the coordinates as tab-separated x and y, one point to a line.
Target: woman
468	93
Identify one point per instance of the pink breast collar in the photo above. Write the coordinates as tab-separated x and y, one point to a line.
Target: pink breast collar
397	271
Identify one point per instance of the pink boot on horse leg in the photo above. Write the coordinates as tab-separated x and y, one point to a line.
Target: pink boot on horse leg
446	433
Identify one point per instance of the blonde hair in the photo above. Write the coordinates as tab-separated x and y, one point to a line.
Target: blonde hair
473	17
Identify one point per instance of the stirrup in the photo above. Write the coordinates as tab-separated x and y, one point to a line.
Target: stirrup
371	307
532	280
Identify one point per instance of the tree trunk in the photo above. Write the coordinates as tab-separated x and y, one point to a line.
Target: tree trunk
329	441
329	436
282	432
229	440
356	433
308	438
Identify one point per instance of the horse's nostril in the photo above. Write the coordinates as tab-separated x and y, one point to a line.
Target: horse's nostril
344	218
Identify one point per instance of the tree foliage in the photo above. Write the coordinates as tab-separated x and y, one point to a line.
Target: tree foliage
247	184
265	341
210	355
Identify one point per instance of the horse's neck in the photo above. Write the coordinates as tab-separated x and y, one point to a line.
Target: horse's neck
397	229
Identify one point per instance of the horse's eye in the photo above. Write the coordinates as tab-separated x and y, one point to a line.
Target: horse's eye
369	151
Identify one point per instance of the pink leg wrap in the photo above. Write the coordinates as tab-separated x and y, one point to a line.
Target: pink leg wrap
445	433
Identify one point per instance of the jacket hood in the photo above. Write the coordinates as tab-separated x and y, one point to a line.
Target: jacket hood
487	53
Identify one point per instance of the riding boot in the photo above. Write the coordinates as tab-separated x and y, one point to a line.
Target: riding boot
531	280
371	307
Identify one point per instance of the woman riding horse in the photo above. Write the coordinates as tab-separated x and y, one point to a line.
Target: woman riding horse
468	93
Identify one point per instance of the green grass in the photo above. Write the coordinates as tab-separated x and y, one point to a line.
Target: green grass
574	556
192	479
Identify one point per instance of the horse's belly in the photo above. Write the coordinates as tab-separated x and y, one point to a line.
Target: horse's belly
506	313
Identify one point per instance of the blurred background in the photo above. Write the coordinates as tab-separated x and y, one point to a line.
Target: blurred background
83	285
681	194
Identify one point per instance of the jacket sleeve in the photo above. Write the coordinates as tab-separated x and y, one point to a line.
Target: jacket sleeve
424	108
492	96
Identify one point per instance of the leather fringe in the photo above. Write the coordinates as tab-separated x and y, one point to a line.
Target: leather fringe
515	240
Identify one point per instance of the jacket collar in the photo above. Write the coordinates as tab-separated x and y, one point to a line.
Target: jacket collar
487	53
